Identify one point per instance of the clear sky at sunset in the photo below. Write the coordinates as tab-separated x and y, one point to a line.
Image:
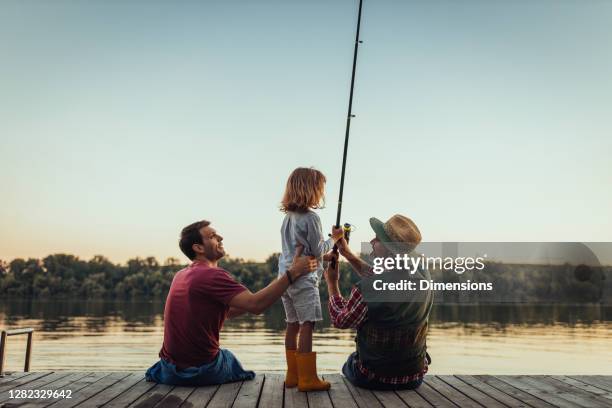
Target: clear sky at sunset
123	121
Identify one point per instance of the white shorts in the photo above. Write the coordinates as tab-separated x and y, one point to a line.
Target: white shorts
301	300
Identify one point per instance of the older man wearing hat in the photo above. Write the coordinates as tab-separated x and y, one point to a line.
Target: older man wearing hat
391	335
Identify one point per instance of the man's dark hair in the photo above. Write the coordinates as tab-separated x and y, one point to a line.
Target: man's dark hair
191	235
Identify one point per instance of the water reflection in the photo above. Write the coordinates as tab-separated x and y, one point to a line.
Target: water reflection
106	335
98	316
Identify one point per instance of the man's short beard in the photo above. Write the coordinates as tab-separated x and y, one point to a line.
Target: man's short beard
215	256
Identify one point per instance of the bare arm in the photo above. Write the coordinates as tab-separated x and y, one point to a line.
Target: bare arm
259	301
332	277
359	265
235	312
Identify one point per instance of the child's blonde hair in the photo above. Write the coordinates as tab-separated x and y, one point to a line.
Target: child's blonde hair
305	189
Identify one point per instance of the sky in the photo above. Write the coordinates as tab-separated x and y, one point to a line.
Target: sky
123	121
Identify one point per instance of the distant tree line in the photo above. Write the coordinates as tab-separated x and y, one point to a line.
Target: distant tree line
528	283
67	276
62	276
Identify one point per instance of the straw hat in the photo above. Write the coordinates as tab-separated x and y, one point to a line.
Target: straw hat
398	234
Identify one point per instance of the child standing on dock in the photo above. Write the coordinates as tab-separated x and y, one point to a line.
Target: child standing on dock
302	232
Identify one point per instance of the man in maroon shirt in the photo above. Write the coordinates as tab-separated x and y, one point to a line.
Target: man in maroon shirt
201	297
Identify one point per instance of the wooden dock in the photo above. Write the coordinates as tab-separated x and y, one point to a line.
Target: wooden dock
128	389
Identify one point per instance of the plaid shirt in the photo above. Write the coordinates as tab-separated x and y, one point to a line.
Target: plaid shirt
352	313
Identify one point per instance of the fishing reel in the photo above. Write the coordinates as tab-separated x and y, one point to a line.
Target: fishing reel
346	229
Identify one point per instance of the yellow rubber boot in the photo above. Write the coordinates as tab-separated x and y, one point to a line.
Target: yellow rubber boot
291	378
307	373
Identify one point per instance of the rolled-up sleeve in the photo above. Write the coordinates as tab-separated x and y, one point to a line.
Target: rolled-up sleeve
351	313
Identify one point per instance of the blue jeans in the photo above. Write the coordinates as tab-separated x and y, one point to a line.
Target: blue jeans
223	369
352	373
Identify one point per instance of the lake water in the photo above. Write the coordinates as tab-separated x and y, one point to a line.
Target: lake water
470	339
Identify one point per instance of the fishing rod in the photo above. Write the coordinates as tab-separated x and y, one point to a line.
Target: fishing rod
347	227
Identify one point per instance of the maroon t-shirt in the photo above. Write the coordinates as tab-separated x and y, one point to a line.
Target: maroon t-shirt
195	310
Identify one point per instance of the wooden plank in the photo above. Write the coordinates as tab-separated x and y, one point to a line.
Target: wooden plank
492	392
37	381
200	397
364	398
319	399
225	395
152	397
595	380
15	332
40	383
175	397
471	392
112	392
272	391
604	379
130	395
76	385
433	397
389	399
339	393
20	382
123	389
413	399
248	396
515	392
570	393
294	398
583	386
89	390
58	385
12	376
457	397
57	378
535	388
